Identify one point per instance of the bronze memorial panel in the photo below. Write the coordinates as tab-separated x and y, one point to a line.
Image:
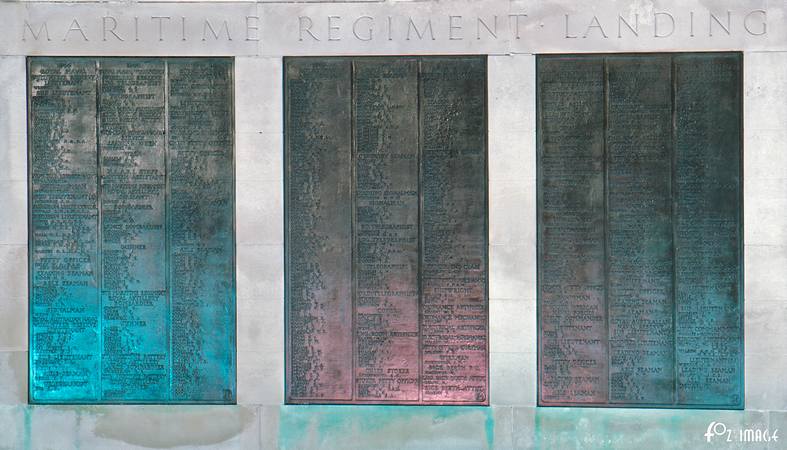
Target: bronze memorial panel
640	286
132	291
386	230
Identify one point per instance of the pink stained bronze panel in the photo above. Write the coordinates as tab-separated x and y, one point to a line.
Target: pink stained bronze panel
454	306
386	230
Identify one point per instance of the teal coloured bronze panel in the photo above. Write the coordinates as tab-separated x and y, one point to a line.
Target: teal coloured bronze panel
639	230
65	342
131	230
708	237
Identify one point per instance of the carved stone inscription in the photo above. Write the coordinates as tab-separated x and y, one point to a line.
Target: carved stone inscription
132	284
386	230
640	285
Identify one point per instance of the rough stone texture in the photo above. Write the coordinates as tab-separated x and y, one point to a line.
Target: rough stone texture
13	373
777	420
765	222
545	28
634	428
13	335
386	427
260	215
512	230
13	230
13	275
13	110
399	427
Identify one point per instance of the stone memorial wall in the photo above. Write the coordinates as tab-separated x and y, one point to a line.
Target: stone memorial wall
95	308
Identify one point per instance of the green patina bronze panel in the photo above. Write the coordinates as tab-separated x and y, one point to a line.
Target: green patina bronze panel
132	292
640	285
708	236
639	230
65	343
386	260
571	226
132	186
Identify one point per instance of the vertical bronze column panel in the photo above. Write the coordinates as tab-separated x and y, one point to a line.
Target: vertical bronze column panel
131	156
201	193
668	216
131	230
572	315
708	235
454	306
639	229
386	266
65	355
386	223
319	230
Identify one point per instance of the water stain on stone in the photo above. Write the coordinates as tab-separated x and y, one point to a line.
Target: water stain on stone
167	427
13	367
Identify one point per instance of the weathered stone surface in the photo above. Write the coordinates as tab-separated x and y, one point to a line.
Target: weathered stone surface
13	104
635	428
245	28
285	427
13	372
383	427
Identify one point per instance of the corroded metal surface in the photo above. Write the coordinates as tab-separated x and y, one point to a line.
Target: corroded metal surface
132	235
386	230
640	230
